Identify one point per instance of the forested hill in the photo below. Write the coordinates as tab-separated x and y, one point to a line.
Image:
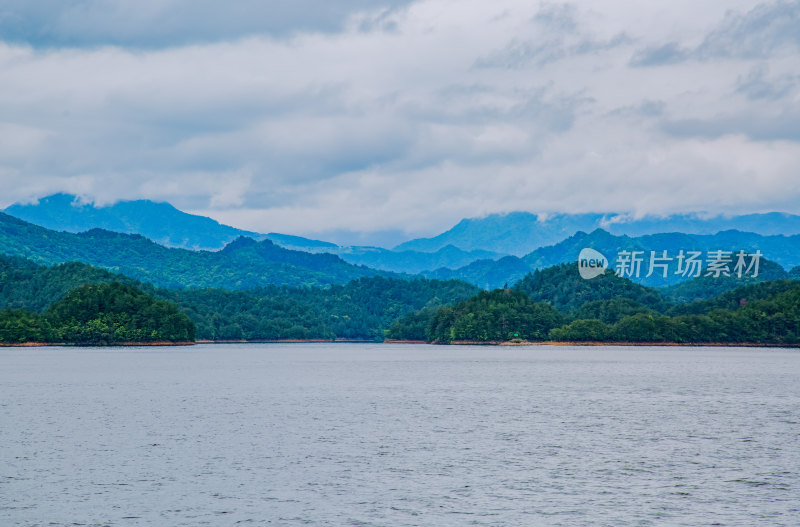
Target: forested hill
764	314
360	309
26	285
99	314
563	288
242	264
783	250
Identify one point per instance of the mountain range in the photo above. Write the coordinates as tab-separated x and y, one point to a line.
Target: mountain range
779	254
489	252
168	226
492	236
519	233
243	264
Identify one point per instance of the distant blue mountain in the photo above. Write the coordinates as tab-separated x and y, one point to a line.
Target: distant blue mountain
519	233
481	241
243	264
516	233
168	226
298	243
413	262
488	274
160	222
780	253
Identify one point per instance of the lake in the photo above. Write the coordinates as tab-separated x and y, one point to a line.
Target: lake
399	435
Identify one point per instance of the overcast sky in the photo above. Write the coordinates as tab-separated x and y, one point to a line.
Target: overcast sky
312	116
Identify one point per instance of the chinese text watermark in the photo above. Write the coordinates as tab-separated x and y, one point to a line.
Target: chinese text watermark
686	264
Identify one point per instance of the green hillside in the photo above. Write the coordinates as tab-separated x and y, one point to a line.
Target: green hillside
502	314
704	287
563	288
99	314
734	298
242	264
487	274
776	252
25	285
360	309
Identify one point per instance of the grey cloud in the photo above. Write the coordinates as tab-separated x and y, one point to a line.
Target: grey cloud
544	108
647	108
755	126
670	53
519	54
756	34
556	35
757	85
154	24
562	17
388	124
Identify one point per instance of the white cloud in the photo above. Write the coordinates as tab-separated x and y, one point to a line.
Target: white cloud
412	119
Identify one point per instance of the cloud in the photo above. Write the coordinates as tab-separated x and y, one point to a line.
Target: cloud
759	85
561	17
784	126
406	117
557	34
763	31
670	53
767	29
150	24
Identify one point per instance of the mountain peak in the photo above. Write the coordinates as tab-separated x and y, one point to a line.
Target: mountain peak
158	221
519	233
242	242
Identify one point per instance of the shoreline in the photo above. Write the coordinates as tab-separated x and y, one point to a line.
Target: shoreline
288	341
631	344
455	343
113	345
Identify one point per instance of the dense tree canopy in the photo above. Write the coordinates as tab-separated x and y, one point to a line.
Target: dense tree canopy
114	313
563	287
78	303
17	326
502	314
361	309
108	313
704	287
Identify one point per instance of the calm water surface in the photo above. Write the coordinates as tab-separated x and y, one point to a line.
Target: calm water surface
399	435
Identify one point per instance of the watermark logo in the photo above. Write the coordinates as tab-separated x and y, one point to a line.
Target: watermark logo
687	264
591	263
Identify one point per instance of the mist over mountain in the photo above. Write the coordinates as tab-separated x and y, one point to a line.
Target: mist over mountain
519	233
471	250
160	222
779	253
171	227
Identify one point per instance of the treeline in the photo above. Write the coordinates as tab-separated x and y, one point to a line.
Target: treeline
99	314
26	285
361	309
557	305
53	304
502	314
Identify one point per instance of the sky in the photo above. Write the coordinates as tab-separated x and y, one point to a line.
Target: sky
393	118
